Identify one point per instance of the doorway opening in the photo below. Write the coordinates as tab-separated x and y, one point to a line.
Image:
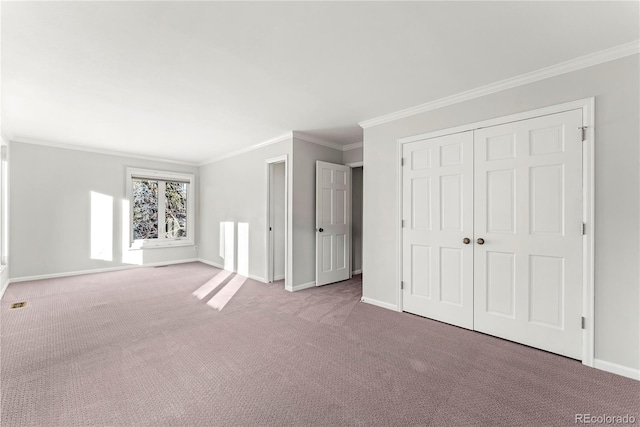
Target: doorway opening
277	220
356	218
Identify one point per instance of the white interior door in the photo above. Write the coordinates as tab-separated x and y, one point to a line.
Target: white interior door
333	222
437	218
528	232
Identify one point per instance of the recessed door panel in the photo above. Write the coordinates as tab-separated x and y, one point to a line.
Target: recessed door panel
421	203
420	283
451	202
451	275
547	199
421	159
546	290
501	201
500	283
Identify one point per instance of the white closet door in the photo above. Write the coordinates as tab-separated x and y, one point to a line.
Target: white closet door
528	211
437	217
333	223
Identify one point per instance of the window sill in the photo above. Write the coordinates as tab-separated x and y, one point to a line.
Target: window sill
160	245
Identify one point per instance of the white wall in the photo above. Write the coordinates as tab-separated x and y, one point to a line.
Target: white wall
50	227
352	156
616	88
305	155
234	190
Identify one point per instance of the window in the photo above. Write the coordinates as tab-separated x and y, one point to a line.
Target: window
161	208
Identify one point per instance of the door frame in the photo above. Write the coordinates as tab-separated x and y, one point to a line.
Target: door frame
587	105
352	165
287	215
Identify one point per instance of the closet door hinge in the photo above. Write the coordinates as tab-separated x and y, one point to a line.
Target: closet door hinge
402	223
583	133
401	285
583	323
584	228
401	161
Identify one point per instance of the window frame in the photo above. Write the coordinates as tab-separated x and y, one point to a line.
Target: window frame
162	242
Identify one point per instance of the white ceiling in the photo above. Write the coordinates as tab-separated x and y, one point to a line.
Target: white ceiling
192	81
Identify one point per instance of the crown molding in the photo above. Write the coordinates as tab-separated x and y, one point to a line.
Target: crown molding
318	141
275	140
353	146
607	55
98	151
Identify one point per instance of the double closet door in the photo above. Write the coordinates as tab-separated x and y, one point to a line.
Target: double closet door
492	231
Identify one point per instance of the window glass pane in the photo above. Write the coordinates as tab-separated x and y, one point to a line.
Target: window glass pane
176	209
145	209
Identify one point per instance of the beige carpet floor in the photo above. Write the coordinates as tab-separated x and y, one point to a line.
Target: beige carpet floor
190	345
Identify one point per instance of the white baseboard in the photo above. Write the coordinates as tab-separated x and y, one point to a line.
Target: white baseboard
356	272
215	264
614	368
211	263
258	278
97	270
280	277
380	303
302	286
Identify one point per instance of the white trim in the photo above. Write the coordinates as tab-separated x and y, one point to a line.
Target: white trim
379	303
276	278
221	267
354	272
211	263
355	164
302	286
588	241
614	368
256	278
318	141
107	152
163	241
275	140
587	106
551	109
611	54
97	270
353	146
399	248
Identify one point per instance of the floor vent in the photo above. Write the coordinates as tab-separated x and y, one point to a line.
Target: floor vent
18	304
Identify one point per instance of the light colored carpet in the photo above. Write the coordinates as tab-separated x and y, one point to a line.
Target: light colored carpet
139	347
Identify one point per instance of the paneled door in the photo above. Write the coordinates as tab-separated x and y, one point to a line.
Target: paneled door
437	228
333	223
528	232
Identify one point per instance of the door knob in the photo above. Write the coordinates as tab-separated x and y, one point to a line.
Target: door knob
321	229
480	241
466	240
